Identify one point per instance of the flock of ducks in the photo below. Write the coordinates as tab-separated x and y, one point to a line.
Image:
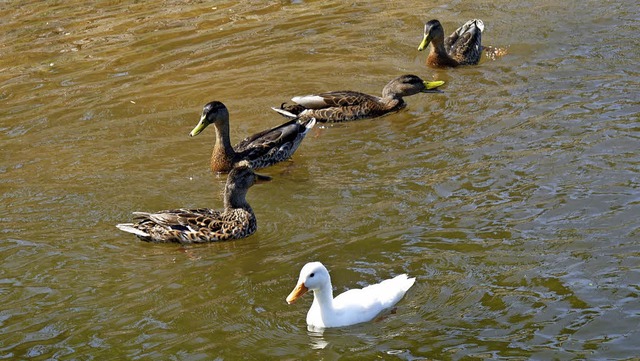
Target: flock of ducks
237	220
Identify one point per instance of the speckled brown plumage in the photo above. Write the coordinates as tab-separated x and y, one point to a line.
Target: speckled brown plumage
202	225
341	106
260	150
462	47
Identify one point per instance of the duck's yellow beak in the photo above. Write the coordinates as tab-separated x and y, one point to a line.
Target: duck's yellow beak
425	41
300	290
200	127
432	86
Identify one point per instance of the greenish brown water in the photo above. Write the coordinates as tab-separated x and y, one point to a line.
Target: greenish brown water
513	196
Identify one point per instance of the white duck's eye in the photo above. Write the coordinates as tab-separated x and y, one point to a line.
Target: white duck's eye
311	275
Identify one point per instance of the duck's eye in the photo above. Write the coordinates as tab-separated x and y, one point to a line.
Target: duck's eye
311	275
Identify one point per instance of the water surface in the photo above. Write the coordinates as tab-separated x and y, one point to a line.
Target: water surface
513	196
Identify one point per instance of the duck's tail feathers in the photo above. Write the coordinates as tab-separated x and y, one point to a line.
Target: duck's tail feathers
469	25
310	123
479	24
405	282
285	113
128	227
140	214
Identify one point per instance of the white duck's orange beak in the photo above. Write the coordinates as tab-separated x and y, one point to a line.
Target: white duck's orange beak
300	290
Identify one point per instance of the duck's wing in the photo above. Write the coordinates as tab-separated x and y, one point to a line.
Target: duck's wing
191	225
379	296
342	98
334	106
283	138
465	44
362	305
340	106
180	218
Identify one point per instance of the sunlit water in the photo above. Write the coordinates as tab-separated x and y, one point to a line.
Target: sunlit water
513	196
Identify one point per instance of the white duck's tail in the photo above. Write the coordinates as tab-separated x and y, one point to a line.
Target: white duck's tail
404	282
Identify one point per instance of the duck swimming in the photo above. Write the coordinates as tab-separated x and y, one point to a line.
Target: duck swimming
201	225
341	106
462	47
260	150
348	308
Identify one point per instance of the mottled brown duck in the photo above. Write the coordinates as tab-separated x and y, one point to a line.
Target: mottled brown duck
346	105
462	47
202	225
260	150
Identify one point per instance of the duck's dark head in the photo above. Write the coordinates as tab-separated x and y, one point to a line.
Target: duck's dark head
213	112
239	180
432	30
410	84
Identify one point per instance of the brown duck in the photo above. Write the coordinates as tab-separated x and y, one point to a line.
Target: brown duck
463	47
260	150
202	225
342	106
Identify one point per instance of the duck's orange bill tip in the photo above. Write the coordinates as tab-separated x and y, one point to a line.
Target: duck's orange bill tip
300	290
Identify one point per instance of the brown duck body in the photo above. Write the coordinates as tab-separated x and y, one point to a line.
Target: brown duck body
346	105
462	47
202	225
342	106
260	150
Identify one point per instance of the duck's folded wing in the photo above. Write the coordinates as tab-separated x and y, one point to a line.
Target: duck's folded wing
356	297
467	50
378	296
340	98
187	219
464	44
261	143
196	225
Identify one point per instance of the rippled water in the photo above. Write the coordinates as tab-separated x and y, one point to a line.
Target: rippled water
513	196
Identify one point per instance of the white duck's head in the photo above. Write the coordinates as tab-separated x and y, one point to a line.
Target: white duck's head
313	276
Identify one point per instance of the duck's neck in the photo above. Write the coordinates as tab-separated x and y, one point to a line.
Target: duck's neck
323	300
438	55
235	198
437	46
391	101
223	153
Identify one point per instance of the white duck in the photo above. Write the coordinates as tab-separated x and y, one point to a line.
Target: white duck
348	308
